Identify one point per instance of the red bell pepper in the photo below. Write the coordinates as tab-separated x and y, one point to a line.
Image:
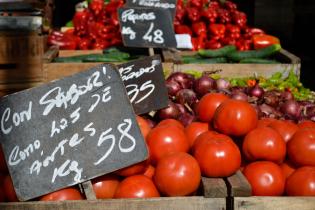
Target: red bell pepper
228	41
84	44
212	44
180	13
224	16
96	6
230	6
250	32
217	31
198	43
233	31
243	44
195	3
100	44
264	40
183	29
193	14
80	21
210	15
239	19
64	41
199	28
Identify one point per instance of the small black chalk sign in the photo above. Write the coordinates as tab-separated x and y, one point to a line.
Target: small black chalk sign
146	27
145	84
69	131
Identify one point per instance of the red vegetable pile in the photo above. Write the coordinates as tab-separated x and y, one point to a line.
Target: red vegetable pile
95	27
213	24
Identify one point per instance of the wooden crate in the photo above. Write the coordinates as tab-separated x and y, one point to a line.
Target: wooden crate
213	189
53	71
21	57
287	59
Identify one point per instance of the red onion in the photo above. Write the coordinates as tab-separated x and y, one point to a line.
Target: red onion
181	108
172	87
287	95
222	84
203	85
171	111
271	98
238	95
310	111
185	81
186	119
256	91
291	109
260	114
269	111
186	96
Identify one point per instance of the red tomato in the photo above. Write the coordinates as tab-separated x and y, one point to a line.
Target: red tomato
264	144
137	186
301	182
208	104
144	126
263	122
306	124
3	164
235	117
105	186
194	129
301	148
149	172
9	191
171	122
264	40
164	140
287	169
217	155
266	178
70	193
177	174
286	128
138	168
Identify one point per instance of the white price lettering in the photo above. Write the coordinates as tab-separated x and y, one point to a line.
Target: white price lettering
147	87
157	36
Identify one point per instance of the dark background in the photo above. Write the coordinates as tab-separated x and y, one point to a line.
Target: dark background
293	21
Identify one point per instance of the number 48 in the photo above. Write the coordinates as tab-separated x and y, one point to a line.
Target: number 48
157	35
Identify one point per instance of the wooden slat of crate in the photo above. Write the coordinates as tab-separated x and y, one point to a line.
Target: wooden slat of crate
238	186
53	71
274	203
238	70
174	203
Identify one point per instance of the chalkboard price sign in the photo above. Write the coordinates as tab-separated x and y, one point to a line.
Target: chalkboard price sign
145	84
69	131
146	27
169	5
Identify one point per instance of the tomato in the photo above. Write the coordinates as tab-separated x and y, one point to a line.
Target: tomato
265	177
264	40
235	117
171	122
138	168
301	148
105	186
208	104
149	172
301	182
286	128
287	168
70	193
306	124
264	144
194	129
137	186
144	126
164	140
263	122
177	174
217	155
9	191
3	164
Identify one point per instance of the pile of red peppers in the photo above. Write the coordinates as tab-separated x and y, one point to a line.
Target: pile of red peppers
95	27
214	24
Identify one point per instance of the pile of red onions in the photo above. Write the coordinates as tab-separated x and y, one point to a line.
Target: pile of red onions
185	91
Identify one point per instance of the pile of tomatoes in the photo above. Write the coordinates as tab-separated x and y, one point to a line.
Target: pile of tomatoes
276	156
